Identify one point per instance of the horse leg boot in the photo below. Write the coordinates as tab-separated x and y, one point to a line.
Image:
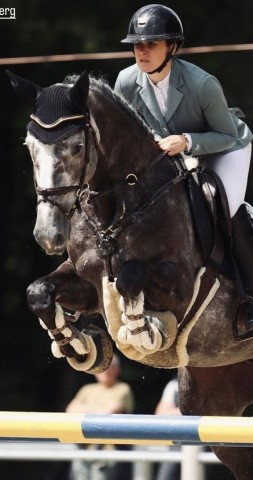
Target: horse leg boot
242	249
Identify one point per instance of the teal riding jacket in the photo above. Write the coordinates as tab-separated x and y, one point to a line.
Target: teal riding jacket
196	105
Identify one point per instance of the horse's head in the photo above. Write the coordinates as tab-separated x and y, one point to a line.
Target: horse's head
62	144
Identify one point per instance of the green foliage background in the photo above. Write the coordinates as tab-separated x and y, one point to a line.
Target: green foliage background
31	379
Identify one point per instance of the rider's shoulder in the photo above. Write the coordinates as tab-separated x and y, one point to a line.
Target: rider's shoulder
192	75
190	68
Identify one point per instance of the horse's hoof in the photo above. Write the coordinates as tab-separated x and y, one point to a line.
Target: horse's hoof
89	356
142	342
99	356
166	323
104	346
71	316
56	351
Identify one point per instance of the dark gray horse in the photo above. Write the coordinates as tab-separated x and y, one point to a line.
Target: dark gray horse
121	209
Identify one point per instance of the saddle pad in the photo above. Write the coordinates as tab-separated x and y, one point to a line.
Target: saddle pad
175	354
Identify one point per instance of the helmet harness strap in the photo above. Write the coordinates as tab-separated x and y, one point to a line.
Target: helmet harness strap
168	57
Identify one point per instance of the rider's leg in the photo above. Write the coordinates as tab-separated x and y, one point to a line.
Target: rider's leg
233	169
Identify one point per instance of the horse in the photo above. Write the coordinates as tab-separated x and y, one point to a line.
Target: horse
120	207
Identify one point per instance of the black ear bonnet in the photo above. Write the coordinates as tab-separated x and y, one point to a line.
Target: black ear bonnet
55	117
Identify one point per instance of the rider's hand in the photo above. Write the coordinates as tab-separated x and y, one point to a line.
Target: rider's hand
173	144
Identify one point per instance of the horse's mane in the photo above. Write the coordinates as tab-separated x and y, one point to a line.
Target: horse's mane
103	86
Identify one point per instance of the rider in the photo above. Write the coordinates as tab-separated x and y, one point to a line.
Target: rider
188	113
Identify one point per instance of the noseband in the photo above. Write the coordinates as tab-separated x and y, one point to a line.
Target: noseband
46	193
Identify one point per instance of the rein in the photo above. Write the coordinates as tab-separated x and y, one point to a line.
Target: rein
131	179
106	239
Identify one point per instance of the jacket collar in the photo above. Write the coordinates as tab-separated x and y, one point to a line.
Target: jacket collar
174	98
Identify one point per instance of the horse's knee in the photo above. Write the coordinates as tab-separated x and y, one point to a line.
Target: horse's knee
132	278
40	297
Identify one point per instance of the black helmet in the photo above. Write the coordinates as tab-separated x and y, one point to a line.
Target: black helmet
155	22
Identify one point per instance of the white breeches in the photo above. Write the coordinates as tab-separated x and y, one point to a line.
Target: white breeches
233	170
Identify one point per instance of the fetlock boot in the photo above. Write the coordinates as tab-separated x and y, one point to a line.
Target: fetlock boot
242	248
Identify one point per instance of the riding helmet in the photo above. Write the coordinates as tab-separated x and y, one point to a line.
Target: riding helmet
155	22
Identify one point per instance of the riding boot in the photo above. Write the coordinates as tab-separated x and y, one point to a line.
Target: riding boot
242	248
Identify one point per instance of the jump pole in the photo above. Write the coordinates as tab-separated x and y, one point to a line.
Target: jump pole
127	429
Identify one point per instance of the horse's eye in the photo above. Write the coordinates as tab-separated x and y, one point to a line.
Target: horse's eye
58	150
77	149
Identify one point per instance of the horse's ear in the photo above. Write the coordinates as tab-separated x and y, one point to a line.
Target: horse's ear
24	88
78	94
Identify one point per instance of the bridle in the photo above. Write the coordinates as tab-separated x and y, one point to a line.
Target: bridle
106	239
81	188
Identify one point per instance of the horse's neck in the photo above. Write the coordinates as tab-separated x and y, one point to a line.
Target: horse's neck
125	146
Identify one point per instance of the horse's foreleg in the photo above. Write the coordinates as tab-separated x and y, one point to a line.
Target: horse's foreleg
224	391
89	351
138	330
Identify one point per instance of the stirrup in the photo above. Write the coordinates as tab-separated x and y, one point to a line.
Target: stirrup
247	302
249	310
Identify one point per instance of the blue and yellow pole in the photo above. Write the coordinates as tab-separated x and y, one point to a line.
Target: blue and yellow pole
127	429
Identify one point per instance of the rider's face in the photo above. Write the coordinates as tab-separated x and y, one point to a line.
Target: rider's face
150	55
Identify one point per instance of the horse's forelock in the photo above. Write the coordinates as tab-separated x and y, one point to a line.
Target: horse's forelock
70	80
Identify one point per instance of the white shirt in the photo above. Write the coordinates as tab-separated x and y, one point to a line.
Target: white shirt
161	90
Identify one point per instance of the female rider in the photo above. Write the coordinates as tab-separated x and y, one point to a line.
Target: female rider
188	113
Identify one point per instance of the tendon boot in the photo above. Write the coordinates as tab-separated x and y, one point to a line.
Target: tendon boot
242	248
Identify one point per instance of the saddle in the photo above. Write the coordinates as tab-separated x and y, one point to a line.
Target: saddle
211	216
213	226
212	223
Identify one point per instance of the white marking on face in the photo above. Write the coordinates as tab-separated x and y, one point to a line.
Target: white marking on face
43	161
44	212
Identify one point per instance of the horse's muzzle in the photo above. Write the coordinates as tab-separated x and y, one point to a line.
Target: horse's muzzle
51	230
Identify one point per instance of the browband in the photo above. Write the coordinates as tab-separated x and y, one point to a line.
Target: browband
57	122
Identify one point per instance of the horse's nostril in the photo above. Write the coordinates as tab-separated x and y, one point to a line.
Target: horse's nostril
59	240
